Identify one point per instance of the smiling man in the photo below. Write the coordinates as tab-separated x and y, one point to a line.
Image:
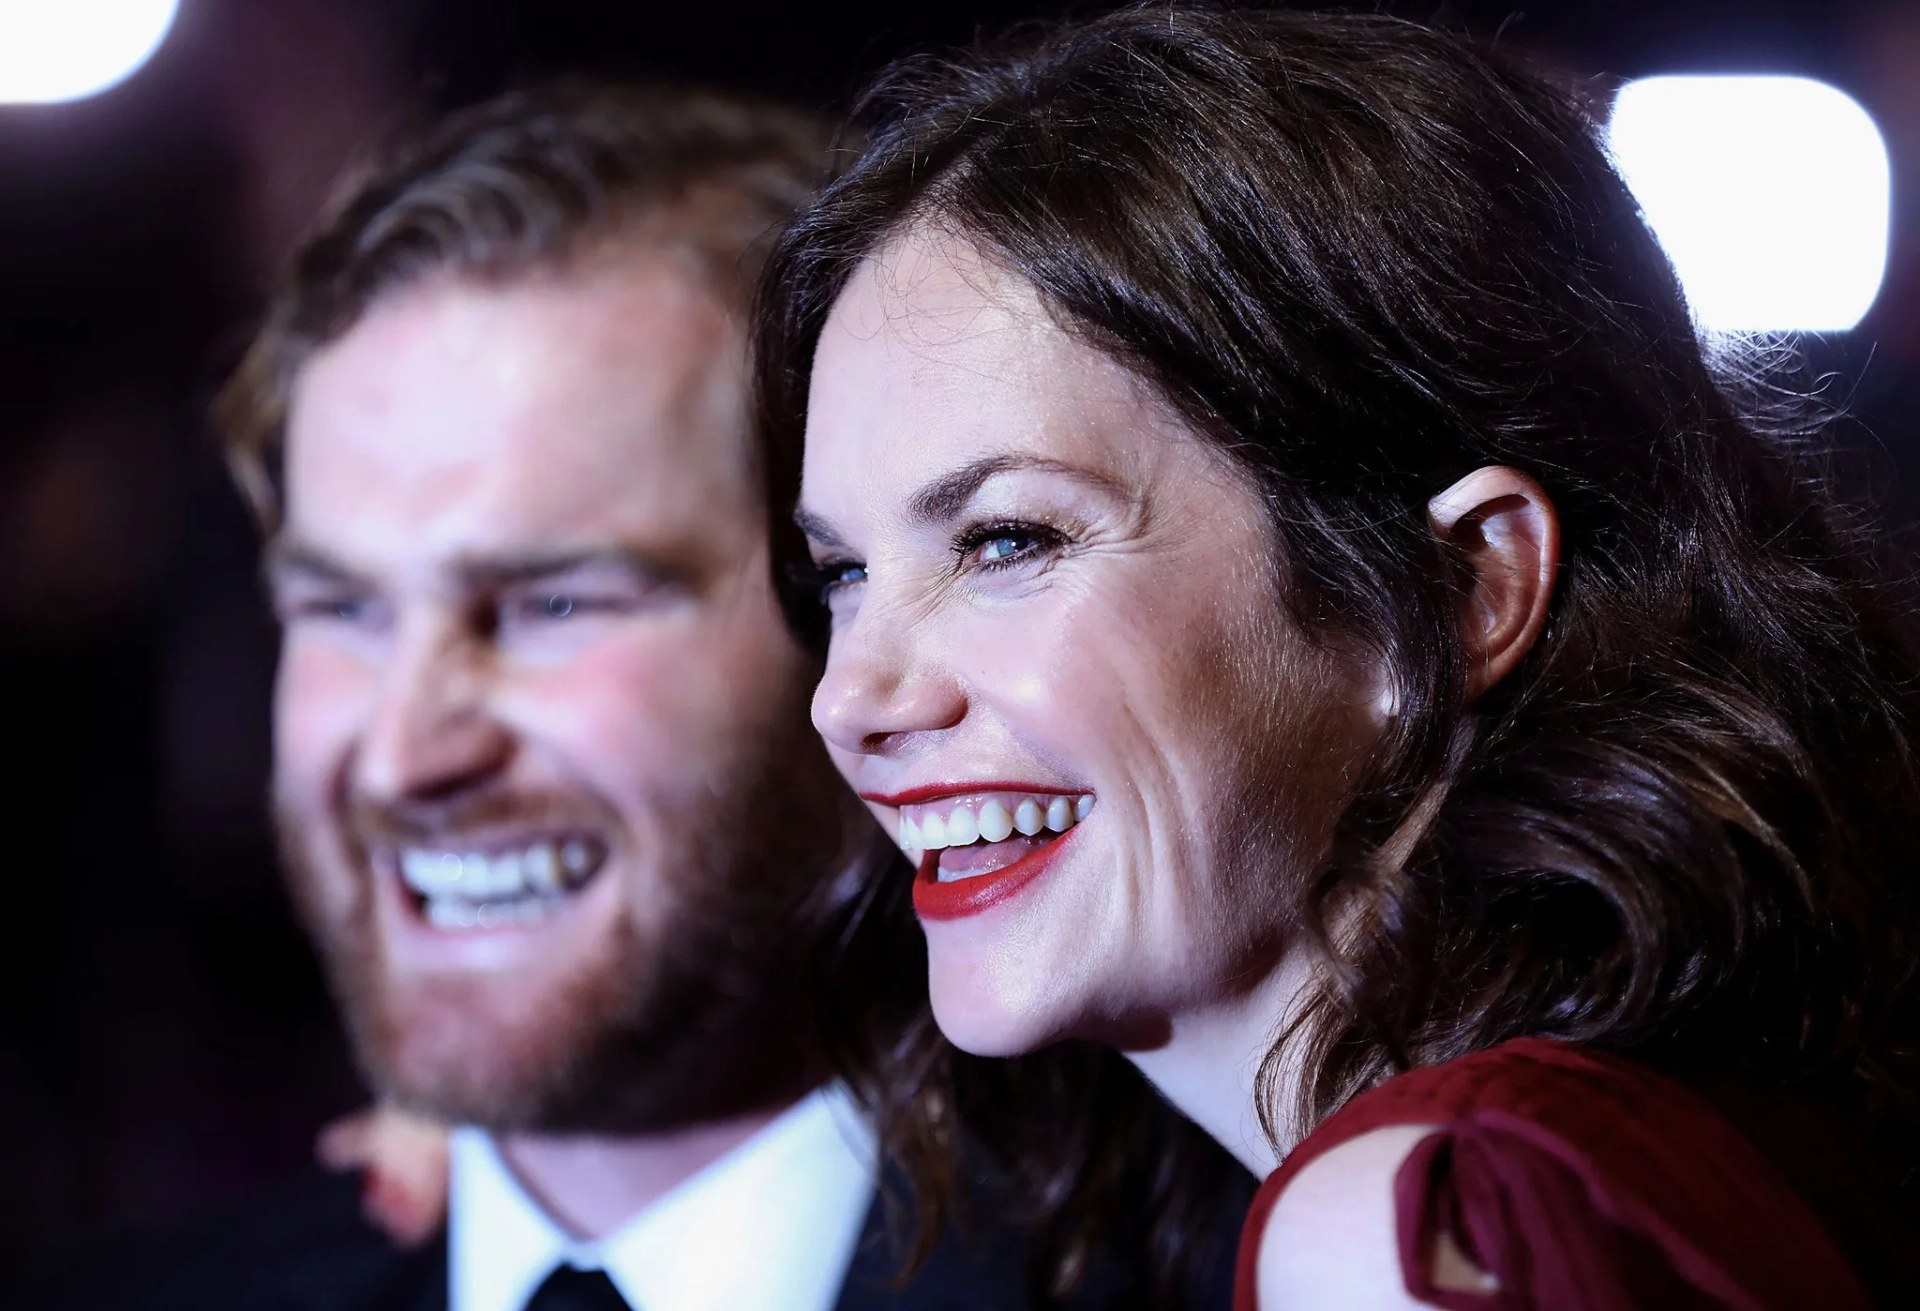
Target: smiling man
542	771
540	775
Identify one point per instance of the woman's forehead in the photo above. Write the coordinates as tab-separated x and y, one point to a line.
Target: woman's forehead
931	293
939	359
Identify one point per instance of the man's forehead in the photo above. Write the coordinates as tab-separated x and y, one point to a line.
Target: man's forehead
604	340
610	394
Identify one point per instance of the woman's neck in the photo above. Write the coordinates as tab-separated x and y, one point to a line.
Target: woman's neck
1209	1065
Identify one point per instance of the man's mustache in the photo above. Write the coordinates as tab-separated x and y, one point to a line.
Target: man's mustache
437	820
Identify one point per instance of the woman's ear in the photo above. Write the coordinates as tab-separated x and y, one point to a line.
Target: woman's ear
1503	525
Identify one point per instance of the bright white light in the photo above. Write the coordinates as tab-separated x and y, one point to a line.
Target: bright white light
1770	194
65	49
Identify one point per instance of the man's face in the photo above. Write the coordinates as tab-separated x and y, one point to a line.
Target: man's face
542	765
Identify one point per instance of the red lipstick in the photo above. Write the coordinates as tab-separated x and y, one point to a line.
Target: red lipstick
934	900
935	791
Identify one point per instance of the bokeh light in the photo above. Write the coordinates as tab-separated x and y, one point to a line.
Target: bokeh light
53	50
1770	194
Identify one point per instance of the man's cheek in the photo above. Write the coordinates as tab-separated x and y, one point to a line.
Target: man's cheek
652	744
300	752
623	709
318	699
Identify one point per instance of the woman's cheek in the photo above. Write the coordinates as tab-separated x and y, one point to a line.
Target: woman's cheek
1044	658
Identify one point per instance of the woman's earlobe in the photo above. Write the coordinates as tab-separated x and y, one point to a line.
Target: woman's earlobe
1503	524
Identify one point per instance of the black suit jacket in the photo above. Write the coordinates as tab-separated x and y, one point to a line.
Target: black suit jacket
307	1248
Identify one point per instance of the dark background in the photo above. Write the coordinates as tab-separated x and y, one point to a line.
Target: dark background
166	1044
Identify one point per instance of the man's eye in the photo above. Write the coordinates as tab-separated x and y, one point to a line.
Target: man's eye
329	609
545	607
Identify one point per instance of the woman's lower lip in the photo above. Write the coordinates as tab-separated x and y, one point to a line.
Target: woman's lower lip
934	900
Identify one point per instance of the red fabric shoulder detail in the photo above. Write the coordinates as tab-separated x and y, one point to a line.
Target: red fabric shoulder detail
1560	1159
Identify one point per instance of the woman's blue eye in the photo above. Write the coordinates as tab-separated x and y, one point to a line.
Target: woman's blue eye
1000	544
832	577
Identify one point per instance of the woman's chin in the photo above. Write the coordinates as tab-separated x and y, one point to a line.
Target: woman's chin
990	1021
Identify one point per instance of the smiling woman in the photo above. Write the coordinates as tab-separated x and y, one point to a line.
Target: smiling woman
1274	445
988	651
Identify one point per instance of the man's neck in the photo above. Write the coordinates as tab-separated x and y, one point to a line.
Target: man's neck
592	1185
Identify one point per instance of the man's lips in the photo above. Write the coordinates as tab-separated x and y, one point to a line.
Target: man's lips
463	884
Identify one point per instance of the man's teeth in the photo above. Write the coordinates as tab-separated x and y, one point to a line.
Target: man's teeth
452	914
471	889
936	827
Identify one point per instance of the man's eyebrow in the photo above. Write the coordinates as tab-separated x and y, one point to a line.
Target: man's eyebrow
507	568
477	571
943	498
284	556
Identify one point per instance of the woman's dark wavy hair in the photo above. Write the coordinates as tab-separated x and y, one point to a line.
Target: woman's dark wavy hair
1365	258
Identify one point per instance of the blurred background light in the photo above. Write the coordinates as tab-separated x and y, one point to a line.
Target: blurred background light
1771	196
53	50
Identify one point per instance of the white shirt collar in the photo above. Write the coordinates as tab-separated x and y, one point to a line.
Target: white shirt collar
771	1225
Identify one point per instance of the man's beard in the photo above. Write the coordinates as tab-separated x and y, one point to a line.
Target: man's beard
701	1010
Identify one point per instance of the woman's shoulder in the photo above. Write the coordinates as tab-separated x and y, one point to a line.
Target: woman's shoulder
1542	1173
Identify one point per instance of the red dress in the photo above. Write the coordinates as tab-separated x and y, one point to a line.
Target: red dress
1584	1182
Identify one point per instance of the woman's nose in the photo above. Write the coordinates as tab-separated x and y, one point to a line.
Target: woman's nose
876	695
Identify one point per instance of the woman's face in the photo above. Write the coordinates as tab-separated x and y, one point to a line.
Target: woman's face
1059	668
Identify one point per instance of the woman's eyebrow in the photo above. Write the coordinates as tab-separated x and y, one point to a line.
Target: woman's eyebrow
817	529
946	496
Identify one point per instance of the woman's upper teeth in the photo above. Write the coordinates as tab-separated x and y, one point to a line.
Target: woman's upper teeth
935	825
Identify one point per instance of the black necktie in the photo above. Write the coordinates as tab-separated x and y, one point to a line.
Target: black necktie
571	1289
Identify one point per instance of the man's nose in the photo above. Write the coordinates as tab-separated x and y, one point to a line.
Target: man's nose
431	731
878	692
